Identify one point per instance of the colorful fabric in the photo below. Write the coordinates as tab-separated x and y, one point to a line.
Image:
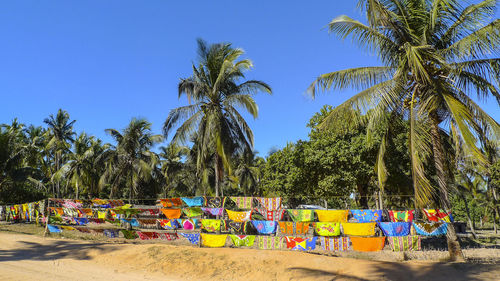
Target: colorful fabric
269	242
395	228
210	225
129	234
132	222
243	202
88	212
101	214
239	216
367	244
98	221
235	227
147	235
366	215
192	212
405	243
438	215
194	238
338	244
213	240
332	215
171	213
265	227
149	212
271	215
242	240
293	228
187	224
327	228
193	202
68	203
170	202
401	216
168	224
66	227
54	228
167	236
431	228
359	229
269	203
111	233
81	221
301	215
214	202
301	243
213	211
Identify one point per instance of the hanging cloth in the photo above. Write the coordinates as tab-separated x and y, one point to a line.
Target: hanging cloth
332	215
366	215
167	236
301	214
395	228
210	225
194	238
147	235
214	202
171	213
54	228
242	202
242	240
213	211
431	228
269	242
235	227
438	215
213	240
271	215
269	203
401	216
293	228
327	228
265	227
193	202
192	212
359	229
405	243
301	243
170	202
338	244
168	224
239	216
368	244
187	224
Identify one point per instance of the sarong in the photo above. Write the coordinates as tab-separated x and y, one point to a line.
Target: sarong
405	243
366	215
213	240
271	215
401	216
194	238
243	202
395	228
132	222
81	221
170	202
168	224
147	223
171	213
359	229
269	203
129	234
269	242
301	243
239	216
327	228
301	215
332	215
210	225
340	244
193	202
235	227
192	212
213	211
293	228
242	240
147	235
187	224
167	236
111	233
438	215
431	228
368	244
214	202
265	227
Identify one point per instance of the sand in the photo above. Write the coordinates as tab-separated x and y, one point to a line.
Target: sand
29	257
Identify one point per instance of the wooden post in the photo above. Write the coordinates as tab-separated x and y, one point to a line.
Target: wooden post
47	219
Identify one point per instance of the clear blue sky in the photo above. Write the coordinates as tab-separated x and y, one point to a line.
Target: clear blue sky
108	61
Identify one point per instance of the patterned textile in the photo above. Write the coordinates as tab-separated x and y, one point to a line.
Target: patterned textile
53	211
66	227
235	227
269	203
194	238
213	211
301	243
431	228
213	240
274	215
210	225
239	216
214	202
54	228
193	202
301	215
101	203
269	242
115	203
171	202
83	229
265	227
167	236
359	229
401	216
192	212
149	212
327	228
293	228
332	215
68	203
243	202
88	212
147	223
395	228
242	240
340	244
99	221
368	244
171	213
81	221
168	224
132	222
147	235
438	215
102	214
405	243
366	215
187	224
111	233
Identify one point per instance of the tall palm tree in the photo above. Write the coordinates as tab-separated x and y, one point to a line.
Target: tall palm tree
436	54
171	163
248	172
216	92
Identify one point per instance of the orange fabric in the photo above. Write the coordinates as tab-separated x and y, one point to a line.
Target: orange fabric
88	212
171	202
367	244
172	213
58	210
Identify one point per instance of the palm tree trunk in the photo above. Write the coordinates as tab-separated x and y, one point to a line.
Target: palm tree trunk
217	174
453	244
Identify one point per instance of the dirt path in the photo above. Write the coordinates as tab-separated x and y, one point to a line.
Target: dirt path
27	257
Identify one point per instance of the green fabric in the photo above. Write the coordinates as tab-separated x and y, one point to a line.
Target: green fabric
192	212
301	215
242	240
129	234
210	225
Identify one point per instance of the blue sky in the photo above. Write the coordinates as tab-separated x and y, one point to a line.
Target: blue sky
108	61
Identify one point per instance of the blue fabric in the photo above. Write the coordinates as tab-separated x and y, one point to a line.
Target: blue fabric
366	215
193	202
194	238
111	233
395	228
265	227
54	228
133	222
431	228
81	221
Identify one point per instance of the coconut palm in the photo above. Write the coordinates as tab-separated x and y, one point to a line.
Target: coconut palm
215	92
171	163
248	172
436	55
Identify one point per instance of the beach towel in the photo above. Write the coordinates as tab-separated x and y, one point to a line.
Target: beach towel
168	224
242	240
194	238
213	240
213	211
401	216
269	203
239	216
327	228
147	235
438	215
395	228
366	215
359	229
167	236
235	227
171	213
431	228
193	202
338	244
111	233
271	215
243	202
192	212
210	225
170	202
301	214
405	243
367	244
301	243
293	228
265	227
332	215
187	224
214	202
269	242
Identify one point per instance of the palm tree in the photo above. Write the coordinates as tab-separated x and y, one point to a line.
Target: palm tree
248	172
216	91
435	55
171	163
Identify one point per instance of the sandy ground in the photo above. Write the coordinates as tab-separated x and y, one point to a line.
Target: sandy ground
29	257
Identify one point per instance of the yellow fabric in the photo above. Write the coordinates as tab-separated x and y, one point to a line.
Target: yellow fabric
239	216
332	215
101	214
213	240
67	227
359	228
